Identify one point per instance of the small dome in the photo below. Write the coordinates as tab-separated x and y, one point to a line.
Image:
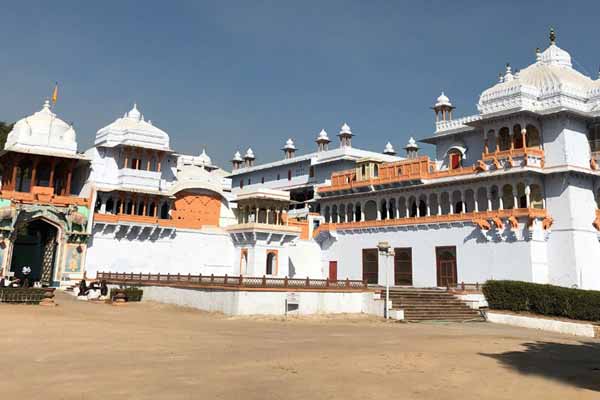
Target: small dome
42	131
249	154
323	137
554	55
132	130
389	149
237	157
345	130
134	113
412	144
204	158
443	100
289	145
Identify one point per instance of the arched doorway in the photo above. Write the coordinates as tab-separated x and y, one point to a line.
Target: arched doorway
271	263
35	247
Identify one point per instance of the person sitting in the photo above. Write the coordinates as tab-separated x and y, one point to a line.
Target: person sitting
83	290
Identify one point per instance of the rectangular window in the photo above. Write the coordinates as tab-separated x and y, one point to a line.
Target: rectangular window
311	172
403	266
370	264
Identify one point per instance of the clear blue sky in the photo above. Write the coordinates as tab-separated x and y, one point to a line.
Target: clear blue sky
230	74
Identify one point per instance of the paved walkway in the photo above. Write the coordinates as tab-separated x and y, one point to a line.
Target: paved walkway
80	350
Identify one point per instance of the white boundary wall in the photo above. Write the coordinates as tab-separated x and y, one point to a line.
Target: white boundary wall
264	302
550	325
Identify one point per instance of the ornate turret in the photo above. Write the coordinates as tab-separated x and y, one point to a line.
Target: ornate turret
412	149
237	160
345	136
289	149
389	150
249	157
323	141
443	108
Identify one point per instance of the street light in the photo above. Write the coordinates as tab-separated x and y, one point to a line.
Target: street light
386	250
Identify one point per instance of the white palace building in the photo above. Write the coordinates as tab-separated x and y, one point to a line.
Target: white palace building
511	194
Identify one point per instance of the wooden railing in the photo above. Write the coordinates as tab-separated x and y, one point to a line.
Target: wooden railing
237	282
43	195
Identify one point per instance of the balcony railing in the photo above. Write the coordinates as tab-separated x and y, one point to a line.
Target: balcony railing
236	282
128	219
43	195
141	179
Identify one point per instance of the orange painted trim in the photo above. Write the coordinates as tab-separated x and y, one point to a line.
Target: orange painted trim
140	219
41	195
475	217
303	225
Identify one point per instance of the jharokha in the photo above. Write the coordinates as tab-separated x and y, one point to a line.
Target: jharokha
512	193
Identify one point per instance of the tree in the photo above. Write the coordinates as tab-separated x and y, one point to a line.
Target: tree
5	128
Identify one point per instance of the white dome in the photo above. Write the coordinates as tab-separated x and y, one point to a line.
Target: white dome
204	158
443	100
551	82
132	130
237	157
389	149
42	132
289	145
249	154
412	144
323	137
345	130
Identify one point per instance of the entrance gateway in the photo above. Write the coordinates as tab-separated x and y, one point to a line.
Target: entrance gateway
35	247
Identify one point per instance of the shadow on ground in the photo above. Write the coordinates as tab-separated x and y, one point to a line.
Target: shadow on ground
570	363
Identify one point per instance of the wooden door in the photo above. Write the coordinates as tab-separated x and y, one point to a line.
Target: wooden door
454	160
333	271
370	265
446	266
403	266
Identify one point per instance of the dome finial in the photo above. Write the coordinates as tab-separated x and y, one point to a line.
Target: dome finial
538	54
552	36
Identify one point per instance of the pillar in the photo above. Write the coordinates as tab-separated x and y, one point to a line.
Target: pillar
33	173
378	205
362	212
497	141
527	196
52	168
489	201
125	157
485	143
159	161
524	136
515	197
121	207
69	178
102	203
149	155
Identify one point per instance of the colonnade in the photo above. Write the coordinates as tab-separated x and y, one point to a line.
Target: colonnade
436	202
271	214
133	204
504	138
142	159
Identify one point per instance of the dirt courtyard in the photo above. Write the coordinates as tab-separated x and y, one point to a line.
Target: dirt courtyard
80	350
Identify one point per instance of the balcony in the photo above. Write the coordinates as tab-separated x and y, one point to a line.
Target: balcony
130	221
139	179
42	195
523	157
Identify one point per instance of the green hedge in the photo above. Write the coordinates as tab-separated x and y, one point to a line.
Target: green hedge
543	299
21	295
133	293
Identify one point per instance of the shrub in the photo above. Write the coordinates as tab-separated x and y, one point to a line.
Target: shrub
133	293
543	299
21	295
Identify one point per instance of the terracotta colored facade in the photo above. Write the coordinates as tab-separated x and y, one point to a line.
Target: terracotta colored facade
193	210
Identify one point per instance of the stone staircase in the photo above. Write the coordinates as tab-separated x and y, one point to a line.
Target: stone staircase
431	305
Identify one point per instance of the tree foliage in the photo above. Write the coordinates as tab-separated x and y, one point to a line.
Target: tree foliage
5	128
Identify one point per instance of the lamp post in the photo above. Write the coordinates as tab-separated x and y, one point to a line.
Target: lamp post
385	250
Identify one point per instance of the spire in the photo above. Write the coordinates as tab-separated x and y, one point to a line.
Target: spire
134	113
508	76
552	36
538	55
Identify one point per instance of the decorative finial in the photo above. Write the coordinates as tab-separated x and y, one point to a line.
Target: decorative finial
500	77
552	36
538	54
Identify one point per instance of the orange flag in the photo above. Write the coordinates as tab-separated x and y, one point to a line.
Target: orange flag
55	94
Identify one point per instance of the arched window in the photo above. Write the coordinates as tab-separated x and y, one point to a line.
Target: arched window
508	200
521	197
517	136
110	205
152	209
370	210
334	214
357	212
271	263
414	210
164	211
504	139
535	197
422	208
533	136
383	209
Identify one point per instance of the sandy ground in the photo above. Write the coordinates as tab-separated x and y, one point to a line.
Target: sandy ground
80	350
